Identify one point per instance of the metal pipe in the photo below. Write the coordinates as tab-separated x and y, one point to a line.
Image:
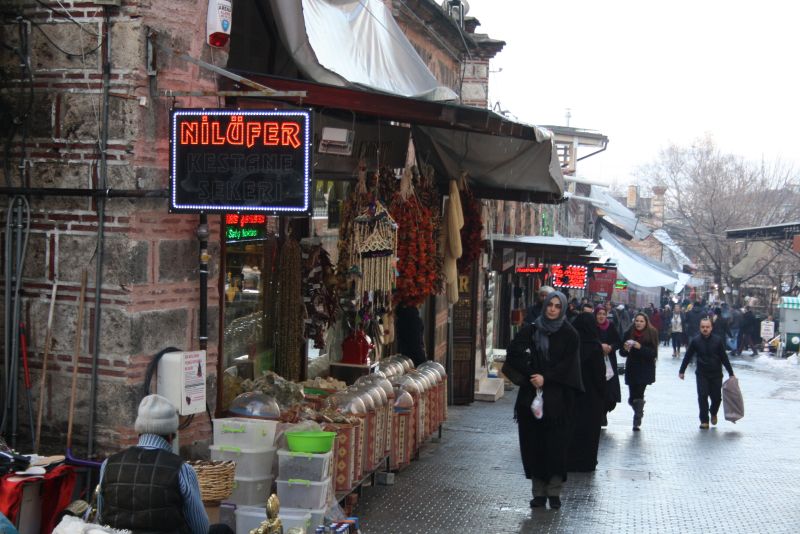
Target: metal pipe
90	192
101	216
202	236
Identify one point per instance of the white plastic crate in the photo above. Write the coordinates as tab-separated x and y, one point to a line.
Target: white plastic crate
295	518
304	465
244	433
303	493
249	517
249	462
251	491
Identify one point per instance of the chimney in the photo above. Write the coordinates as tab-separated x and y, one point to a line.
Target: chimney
657	204
633	197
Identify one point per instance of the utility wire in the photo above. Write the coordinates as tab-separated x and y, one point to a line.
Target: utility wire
66	15
57	47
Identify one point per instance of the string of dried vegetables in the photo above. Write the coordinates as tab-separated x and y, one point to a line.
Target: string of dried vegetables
416	250
452	242
428	195
289	339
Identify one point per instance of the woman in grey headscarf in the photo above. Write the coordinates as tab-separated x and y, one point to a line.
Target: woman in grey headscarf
544	356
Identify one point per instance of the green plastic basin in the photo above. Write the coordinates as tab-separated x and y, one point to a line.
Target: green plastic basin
313	442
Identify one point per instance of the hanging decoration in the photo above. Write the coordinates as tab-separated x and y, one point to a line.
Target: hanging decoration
472	231
451	241
416	250
428	195
289	339
319	290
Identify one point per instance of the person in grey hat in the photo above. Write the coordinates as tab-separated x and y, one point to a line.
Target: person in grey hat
147	487
534	311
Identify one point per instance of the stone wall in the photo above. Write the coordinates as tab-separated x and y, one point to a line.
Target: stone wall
150	292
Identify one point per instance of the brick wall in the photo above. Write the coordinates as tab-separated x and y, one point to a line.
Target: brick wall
150	286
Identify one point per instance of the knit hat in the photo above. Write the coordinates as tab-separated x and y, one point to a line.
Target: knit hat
156	416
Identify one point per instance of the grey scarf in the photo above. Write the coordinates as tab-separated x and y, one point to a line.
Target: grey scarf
545	326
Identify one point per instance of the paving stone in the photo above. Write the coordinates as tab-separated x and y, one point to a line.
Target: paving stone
671	477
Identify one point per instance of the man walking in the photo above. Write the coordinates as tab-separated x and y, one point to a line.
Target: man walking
709	351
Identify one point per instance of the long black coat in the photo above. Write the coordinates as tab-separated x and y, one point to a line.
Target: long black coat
543	443
590	409
610	336
641	365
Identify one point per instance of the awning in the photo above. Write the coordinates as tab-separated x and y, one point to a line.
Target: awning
544	249
791	303
636	267
352	43
757	254
523	166
772	232
615	214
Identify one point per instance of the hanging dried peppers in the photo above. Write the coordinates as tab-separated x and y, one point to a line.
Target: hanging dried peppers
472	231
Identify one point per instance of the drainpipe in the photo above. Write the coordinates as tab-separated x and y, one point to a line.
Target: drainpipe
101	213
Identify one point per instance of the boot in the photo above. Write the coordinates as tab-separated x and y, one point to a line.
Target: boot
638	413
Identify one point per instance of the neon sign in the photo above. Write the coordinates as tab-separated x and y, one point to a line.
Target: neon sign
230	160
245	227
621	284
571	276
530	269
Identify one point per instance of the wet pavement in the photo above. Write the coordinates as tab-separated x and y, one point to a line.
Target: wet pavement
670	477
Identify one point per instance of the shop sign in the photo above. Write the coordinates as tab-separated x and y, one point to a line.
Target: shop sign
225	160
245	227
507	259
602	281
570	276
621	284
531	269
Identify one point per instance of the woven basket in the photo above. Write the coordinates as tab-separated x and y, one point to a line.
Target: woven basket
215	478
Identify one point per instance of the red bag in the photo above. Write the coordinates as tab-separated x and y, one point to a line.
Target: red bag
356	348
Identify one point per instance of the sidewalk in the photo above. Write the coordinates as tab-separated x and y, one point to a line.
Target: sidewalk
670	477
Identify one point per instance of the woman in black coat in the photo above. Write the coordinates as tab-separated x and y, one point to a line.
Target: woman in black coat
590	408
640	347
611	343
544	356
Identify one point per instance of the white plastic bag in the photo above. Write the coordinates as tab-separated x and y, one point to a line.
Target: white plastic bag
537	406
732	401
609	369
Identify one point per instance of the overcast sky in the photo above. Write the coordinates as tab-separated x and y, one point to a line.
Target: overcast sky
648	73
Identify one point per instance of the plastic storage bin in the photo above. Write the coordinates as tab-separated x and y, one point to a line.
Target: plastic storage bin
244	433
249	517
294	518
304	465
316	517
303	493
249	462
251	491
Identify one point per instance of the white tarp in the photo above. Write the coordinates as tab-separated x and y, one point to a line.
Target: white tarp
355	42
637	268
680	258
617	214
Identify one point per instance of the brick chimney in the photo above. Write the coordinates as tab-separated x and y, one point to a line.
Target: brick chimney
633	197
657	204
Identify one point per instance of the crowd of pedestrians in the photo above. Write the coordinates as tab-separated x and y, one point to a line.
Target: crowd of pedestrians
564	361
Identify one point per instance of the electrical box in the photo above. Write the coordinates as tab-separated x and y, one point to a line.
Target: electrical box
182	380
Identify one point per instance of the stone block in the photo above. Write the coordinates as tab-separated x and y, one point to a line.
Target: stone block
70	37
80	117
155	330
128	51
128	206
115	331
117	404
121	176
41	117
213	324
65	318
152	178
474	91
56	174
125	260
124	115
178	260
35	265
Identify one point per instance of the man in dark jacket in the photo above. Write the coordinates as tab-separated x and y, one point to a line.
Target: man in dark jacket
147	487
693	317
709	352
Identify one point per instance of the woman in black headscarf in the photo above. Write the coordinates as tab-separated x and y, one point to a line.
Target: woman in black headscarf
611	343
590	407
544	356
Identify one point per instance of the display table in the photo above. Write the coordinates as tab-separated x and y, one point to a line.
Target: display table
349	373
54	493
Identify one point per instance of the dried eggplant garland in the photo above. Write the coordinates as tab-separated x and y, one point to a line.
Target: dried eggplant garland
319	292
289	342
